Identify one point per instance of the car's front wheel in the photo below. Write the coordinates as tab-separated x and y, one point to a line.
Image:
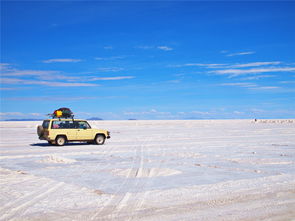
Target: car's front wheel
60	140
99	139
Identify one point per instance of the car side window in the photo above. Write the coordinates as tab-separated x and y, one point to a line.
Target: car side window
82	125
62	125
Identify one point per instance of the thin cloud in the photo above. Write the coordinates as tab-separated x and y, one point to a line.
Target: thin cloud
17	115
255	64
257	77
110	69
255	110
24	73
199	65
5	66
200	112
223	51
112	78
54	78
238	72
161	47
222	65
143	114
174	81
251	86
108	47
238	112
11	114
47	83
206	65
109	58
240	84
59	77
52	98
287	82
60	84
61	60
265	88
145	47
241	53
9	89
8	71
39	74
165	48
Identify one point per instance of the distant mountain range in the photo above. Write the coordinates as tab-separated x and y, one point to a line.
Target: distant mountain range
94	118
30	119
24	120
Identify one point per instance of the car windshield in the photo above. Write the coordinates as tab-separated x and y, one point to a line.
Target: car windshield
45	124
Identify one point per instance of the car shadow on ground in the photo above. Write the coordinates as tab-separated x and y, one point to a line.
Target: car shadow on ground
67	144
40	144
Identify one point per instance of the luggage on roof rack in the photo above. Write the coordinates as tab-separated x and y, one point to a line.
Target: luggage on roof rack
63	112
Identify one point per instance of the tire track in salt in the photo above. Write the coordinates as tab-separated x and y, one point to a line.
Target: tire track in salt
19	206
138	197
135	201
11	204
115	200
124	202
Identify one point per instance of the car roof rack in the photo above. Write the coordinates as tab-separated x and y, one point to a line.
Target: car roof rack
60	118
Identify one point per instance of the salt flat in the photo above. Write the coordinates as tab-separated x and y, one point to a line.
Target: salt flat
152	170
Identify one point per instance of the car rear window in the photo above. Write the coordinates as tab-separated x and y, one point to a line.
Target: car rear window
45	124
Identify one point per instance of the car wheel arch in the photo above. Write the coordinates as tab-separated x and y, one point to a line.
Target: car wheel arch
98	134
61	135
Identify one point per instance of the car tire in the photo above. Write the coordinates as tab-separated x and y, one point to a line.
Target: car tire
99	139
60	140
40	131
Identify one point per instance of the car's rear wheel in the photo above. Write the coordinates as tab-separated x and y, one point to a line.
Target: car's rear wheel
99	139
60	140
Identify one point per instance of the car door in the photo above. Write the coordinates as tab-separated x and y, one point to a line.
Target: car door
64	127
70	129
84	131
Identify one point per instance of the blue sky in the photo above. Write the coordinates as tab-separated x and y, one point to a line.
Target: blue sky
148	60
